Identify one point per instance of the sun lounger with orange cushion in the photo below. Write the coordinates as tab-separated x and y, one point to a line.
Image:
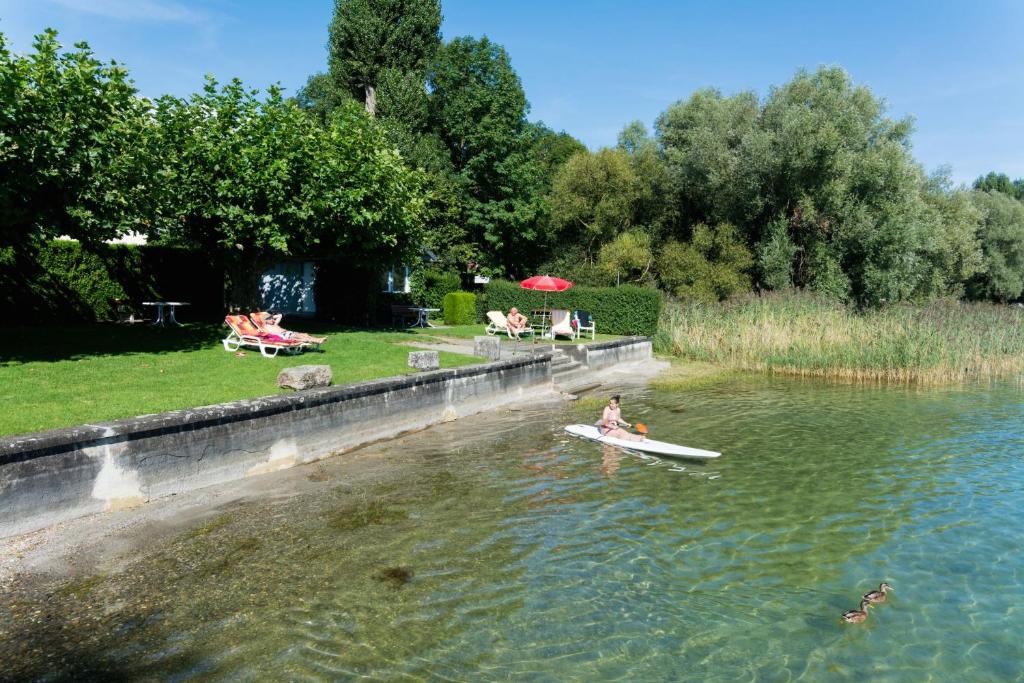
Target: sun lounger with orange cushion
262	320
244	333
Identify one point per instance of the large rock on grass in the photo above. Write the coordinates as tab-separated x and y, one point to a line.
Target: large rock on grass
424	360
302	377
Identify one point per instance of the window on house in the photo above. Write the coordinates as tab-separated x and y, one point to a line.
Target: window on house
396	280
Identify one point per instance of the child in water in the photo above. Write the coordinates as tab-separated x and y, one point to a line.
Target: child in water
611	418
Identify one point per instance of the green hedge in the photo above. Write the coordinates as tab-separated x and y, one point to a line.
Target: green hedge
617	310
459	308
429	287
63	281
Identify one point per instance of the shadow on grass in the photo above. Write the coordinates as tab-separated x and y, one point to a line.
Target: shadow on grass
70	342
44	343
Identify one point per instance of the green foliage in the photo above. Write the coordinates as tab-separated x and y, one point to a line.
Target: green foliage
711	267
593	198
430	286
628	257
256	179
73	146
1000	182
65	280
617	310
369	37
1002	244
459	308
775	254
478	108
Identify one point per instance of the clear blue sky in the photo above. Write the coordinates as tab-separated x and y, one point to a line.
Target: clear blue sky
591	67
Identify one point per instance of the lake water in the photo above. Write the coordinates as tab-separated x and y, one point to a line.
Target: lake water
496	548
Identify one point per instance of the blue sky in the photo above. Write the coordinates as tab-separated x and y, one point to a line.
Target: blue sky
591	67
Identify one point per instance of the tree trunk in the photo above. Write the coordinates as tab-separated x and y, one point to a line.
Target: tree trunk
243	287
371	100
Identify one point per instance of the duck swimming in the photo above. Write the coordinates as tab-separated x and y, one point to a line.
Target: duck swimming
878	595
856	616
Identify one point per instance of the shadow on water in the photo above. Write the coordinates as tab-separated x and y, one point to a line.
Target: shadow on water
71	635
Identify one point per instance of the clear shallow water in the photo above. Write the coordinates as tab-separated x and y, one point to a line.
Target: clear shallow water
497	548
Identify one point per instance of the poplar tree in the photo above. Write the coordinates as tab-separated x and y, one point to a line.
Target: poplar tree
369	38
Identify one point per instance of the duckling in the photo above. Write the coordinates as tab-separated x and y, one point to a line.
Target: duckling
878	595
856	616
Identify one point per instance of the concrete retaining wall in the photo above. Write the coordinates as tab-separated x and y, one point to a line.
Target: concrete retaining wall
52	476
606	354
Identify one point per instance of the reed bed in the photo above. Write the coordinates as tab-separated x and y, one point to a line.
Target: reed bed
800	334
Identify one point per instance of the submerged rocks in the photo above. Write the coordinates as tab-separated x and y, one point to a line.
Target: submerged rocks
424	360
302	377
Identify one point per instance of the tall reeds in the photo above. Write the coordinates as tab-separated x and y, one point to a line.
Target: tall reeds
801	334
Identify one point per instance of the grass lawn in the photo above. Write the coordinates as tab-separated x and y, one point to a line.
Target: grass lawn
64	376
470	331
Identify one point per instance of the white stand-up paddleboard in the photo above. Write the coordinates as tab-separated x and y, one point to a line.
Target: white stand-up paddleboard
646	446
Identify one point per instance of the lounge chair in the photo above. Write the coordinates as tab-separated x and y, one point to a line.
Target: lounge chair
244	333
561	324
584	322
263	321
497	323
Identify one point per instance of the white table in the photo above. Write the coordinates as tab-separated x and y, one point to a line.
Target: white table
171	305
423	317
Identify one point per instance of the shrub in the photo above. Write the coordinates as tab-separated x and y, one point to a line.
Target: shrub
63	281
430	286
616	310
459	308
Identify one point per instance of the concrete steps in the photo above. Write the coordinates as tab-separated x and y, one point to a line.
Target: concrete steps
570	376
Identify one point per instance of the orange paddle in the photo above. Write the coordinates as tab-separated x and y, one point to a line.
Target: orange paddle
640	427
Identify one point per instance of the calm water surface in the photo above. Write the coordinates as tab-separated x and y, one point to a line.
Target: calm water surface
496	548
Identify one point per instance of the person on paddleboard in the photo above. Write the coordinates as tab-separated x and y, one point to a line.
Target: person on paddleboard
611	422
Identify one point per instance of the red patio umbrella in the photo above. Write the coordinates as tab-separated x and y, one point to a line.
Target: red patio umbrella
545	283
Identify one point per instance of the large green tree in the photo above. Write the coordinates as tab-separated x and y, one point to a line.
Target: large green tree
594	198
256	179
73	141
369	38
478	109
1002	242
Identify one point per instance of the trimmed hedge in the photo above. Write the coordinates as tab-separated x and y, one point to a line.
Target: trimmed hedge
429	286
617	310
459	308
62	281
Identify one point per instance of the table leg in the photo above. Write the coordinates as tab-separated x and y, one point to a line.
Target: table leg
174	321
159	315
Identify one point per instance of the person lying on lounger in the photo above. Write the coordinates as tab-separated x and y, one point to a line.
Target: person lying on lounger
516	321
272	324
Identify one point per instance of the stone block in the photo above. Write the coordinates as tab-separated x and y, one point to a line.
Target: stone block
487	347
302	377
424	360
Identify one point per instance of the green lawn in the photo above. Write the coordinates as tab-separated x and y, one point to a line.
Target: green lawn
470	331
63	376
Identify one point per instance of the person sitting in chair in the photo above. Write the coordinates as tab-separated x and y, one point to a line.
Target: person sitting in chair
516	322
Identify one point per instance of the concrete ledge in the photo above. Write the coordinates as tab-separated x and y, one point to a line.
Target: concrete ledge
604	354
48	477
